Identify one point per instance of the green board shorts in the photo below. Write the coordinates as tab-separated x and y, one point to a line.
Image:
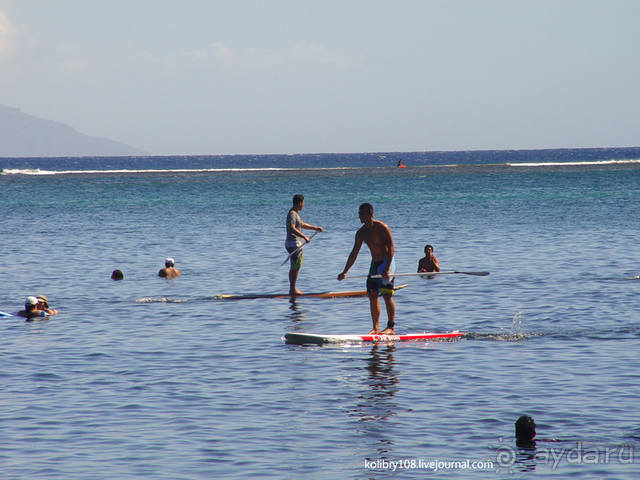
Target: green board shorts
296	258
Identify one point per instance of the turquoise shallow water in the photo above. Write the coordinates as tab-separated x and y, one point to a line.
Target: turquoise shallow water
156	379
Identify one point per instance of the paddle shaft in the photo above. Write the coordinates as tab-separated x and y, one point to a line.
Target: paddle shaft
299	248
423	274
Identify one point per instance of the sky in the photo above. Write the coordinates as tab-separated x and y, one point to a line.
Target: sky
199	77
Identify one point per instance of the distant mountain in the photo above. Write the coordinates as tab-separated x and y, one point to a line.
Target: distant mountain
23	135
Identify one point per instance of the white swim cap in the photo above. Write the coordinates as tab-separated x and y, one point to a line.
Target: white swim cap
170	261
31	301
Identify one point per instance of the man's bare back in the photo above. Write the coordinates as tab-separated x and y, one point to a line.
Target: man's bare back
169	272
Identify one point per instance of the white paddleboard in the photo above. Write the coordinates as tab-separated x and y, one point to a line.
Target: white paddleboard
316	339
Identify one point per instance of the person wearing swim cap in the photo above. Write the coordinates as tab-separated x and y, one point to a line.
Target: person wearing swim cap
169	270
31	310
43	304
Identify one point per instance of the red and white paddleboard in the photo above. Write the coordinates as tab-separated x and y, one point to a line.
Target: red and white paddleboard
312	338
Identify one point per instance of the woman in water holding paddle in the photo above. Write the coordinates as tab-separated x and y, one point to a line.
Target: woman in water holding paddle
294	241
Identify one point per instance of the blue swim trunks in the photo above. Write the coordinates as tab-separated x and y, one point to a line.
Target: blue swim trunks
382	286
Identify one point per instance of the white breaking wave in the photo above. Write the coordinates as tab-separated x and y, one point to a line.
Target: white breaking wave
37	171
563	164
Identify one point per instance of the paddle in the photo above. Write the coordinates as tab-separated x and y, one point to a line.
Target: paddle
424	274
299	248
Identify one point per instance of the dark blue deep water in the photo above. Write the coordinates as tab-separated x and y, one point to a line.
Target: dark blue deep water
149	378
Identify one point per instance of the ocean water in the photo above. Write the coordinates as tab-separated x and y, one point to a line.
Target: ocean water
149	378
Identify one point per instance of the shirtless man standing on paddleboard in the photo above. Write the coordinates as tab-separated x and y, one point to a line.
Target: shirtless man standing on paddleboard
378	238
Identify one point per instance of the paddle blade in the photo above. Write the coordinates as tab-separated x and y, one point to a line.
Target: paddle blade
477	274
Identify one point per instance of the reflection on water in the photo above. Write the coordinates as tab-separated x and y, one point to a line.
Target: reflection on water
525	460
510	459
382	380
296	313
375	403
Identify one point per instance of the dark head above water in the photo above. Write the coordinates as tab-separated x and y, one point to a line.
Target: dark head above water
525	431
117	275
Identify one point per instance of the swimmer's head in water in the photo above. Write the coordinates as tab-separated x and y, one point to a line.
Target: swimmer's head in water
525	428
117	275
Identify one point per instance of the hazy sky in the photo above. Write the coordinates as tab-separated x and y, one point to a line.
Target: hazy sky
290	76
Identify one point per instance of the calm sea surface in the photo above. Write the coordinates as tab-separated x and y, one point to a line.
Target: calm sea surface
148	378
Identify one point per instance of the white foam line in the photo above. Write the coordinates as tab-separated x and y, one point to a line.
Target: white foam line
562	164
10	171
